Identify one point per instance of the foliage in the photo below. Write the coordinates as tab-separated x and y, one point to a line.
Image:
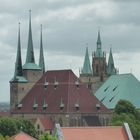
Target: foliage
4	138
11	126
126	112
47	136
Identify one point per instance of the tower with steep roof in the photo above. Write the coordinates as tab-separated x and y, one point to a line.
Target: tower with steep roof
30	69
18	80
27	75
99	60
41	57
111	70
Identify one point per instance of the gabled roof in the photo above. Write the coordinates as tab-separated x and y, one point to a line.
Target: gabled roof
94	133
22	136
86	67
56	87
46	122
120	86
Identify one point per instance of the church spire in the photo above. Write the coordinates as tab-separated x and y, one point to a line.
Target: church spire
41	58
18	64
99	43
111	68
86	67
30	51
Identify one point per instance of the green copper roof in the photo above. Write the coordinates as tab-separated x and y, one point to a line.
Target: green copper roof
121	86
111	68
99	52
86	67
18	64
41	57
30	51
31	66
20	79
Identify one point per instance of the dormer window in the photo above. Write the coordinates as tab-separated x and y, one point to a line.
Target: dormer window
45	106
98	106
19	106
55	84
35	106
46	84
61	105
77	83
77	105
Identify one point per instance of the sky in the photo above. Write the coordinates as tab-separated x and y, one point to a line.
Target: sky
68	25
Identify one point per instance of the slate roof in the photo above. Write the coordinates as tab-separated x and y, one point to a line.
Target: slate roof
63	90
121	86
94	133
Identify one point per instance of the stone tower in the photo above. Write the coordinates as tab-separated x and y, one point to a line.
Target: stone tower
27	75
99	65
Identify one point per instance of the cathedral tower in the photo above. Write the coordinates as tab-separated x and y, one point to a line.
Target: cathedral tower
99	60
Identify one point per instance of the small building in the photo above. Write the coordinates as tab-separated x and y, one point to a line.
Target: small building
22	136
44	124
119	87
94	133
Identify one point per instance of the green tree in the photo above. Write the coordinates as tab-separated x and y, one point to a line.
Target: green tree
4	138
126	112
11	126
47	136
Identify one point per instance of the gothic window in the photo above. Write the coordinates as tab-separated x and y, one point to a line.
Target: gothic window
97	69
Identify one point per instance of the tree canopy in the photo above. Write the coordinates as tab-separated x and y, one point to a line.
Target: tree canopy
11	126
125	111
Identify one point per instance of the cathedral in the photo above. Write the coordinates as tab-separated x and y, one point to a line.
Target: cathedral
60	94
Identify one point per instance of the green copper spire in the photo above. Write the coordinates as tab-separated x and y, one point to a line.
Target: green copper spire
99	52
30	51
41	58
99	43
111	68
18	64
86	67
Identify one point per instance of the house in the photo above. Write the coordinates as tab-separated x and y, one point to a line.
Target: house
44	124
94	133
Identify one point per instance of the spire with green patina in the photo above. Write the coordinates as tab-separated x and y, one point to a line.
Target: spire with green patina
86	67
99	52
111	68
41	57
18	64
30	51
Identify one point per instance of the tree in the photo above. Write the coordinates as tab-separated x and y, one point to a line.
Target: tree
11	126
47	136
126	112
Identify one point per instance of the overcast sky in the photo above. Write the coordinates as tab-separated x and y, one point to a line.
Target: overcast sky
67	26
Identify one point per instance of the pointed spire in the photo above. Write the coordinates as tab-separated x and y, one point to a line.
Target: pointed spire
111	68
99	43
41	58
99	52
18	64
86	67
30	51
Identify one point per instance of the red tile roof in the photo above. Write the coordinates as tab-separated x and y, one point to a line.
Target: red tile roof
22	136
94	133
47	123
66	92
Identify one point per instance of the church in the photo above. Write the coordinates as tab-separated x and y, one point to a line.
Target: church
60	94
